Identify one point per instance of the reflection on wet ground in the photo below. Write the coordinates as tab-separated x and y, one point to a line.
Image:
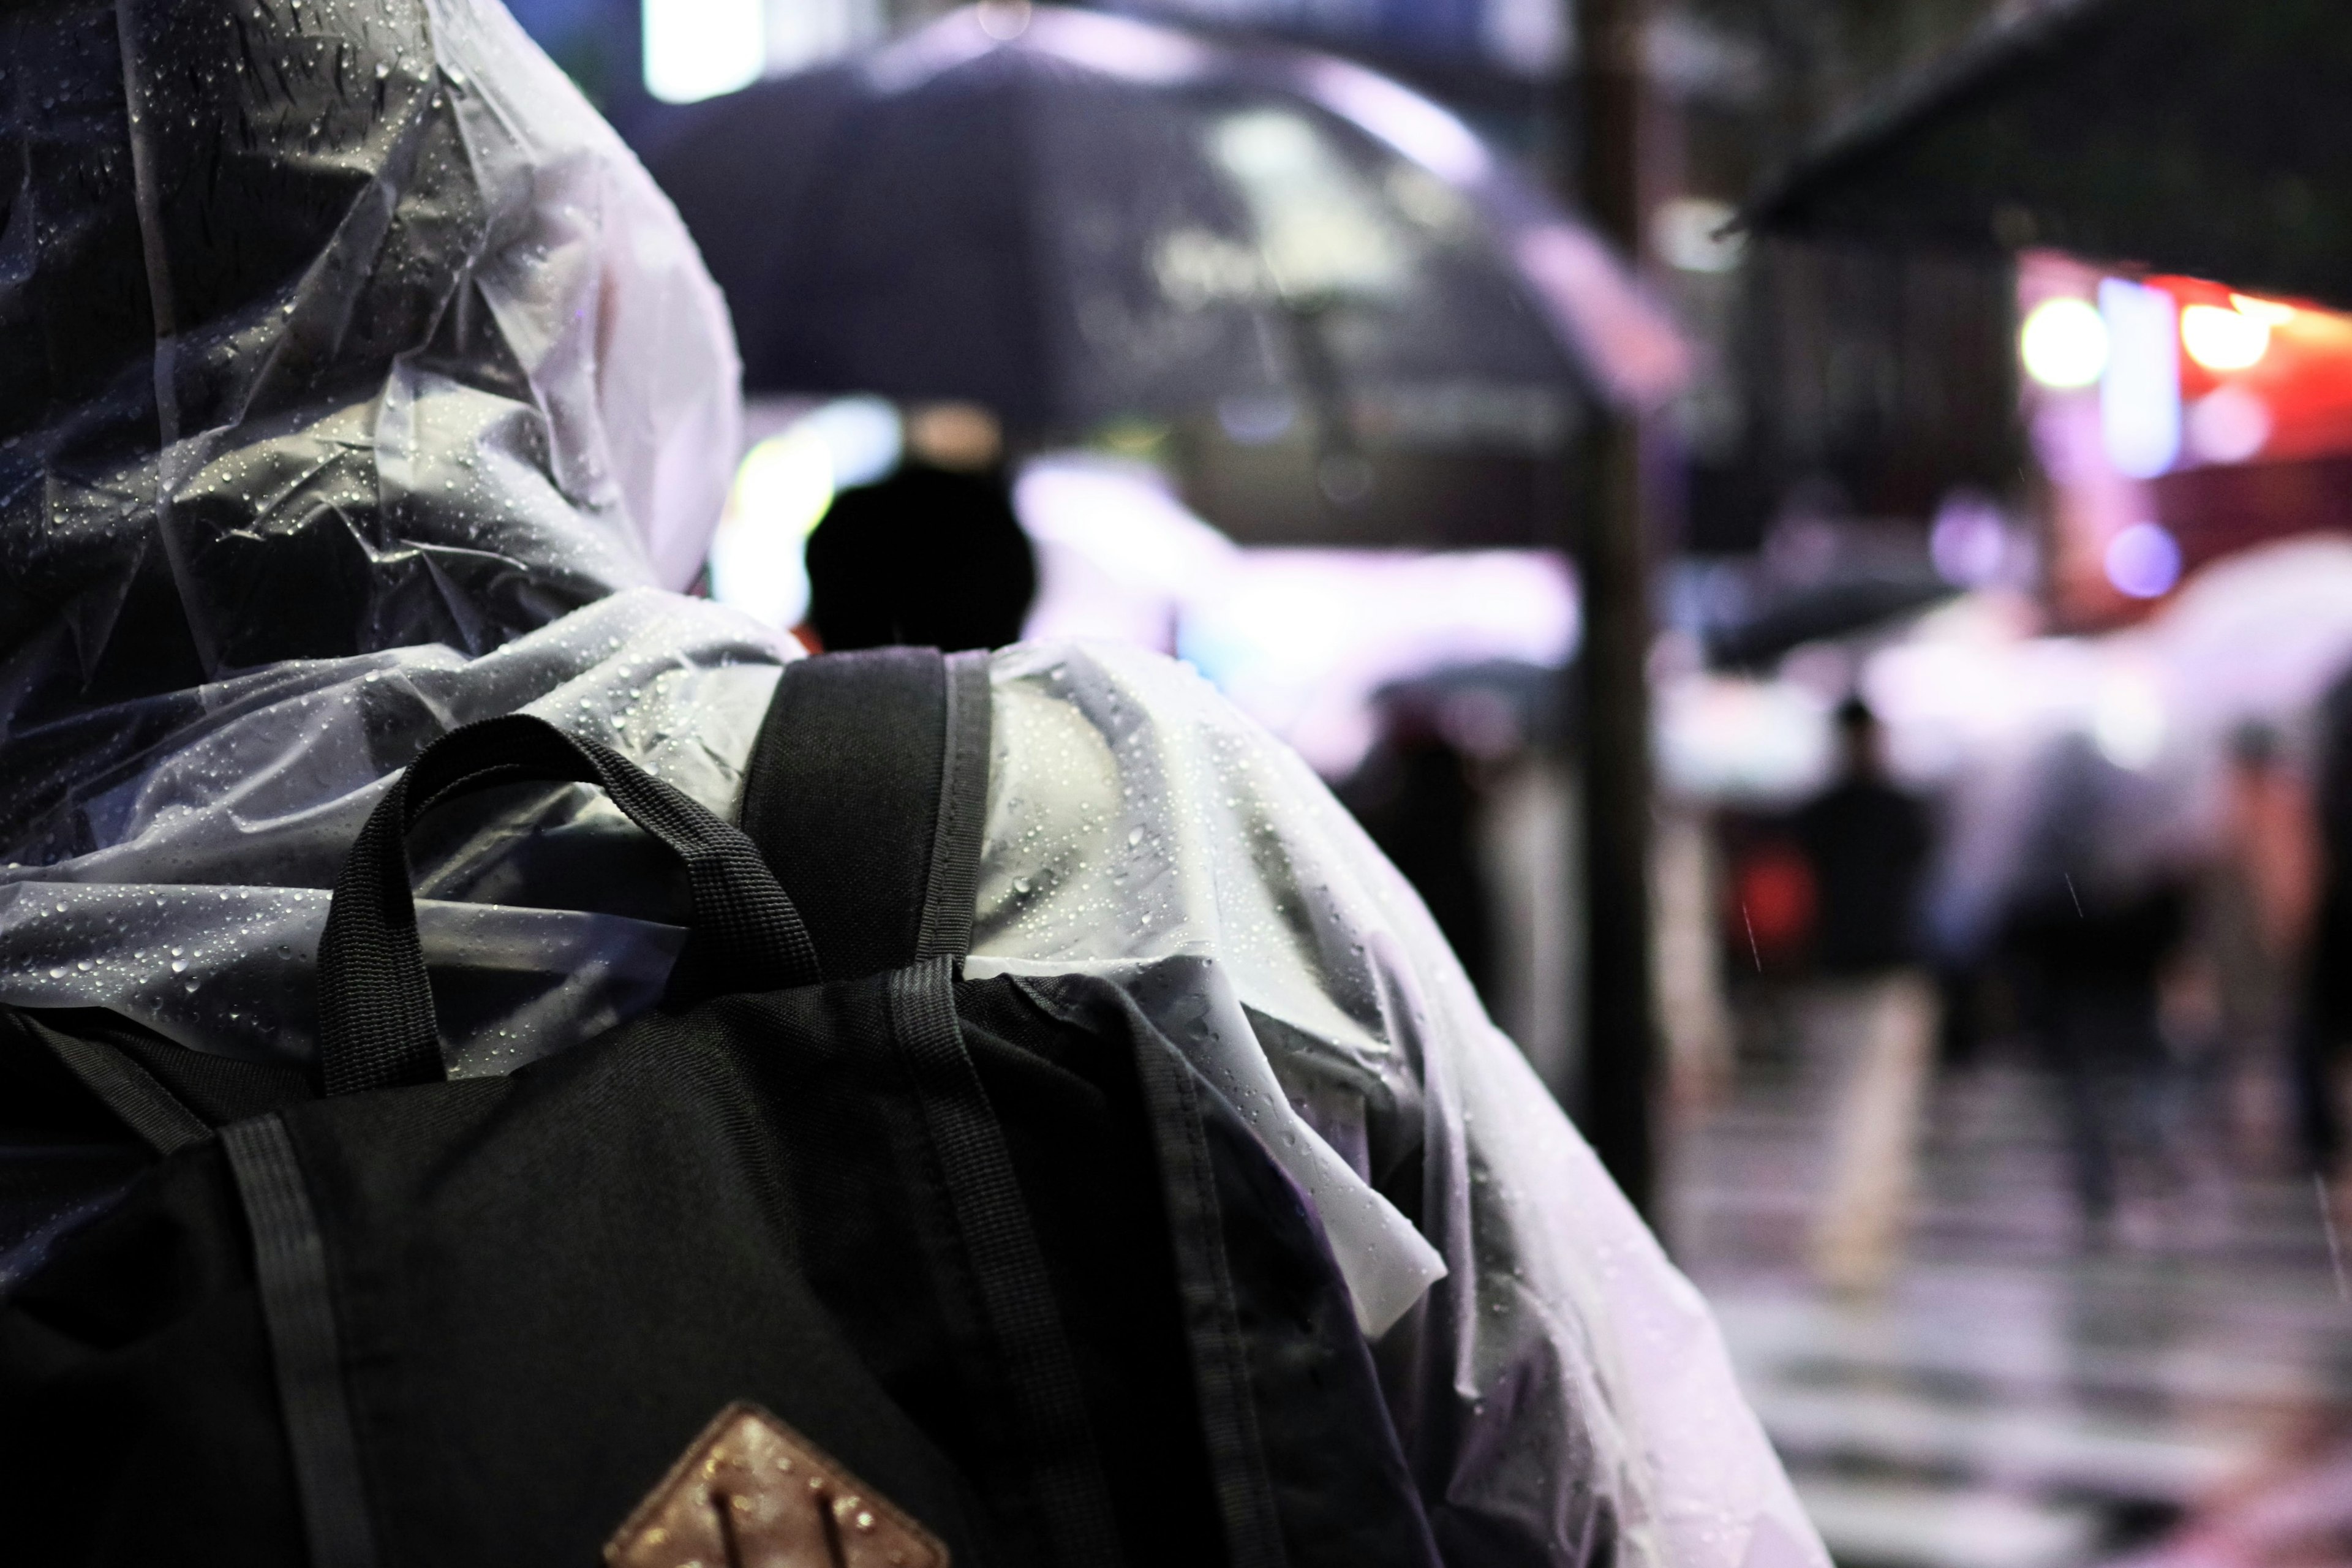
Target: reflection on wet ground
2018	1399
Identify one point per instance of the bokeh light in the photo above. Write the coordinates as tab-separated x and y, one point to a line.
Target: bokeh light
2064	343
696	49
2142	561
2229	425
2223	340
781	490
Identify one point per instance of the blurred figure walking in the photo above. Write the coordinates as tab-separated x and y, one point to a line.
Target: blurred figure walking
2255	927
1871	1011
2094	937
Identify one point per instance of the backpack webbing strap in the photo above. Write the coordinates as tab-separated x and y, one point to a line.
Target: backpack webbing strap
138	1099
290	1264
1222	1382
376	1025
867	792
1040	1374
1221	1374
953	880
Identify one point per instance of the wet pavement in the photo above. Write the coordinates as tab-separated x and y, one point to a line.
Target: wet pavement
2018	1398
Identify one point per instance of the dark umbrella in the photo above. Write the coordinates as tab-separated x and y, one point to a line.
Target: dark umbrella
1841	607
1094	217
2201	136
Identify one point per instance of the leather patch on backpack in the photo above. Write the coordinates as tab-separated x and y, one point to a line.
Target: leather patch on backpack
750	1492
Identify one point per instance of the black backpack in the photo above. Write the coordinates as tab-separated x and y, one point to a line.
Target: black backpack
834	1257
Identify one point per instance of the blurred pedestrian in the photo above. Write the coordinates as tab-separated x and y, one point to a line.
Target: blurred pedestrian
1872	1009
1417	795
2093	941
2255	924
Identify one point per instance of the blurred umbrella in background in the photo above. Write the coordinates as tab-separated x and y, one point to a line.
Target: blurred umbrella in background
1820	612
2199	136
1070	218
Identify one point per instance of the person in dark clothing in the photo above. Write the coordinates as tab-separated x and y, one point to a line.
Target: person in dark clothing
1416	798
929	557
1871	1009
2091	943
1866	842
2095	968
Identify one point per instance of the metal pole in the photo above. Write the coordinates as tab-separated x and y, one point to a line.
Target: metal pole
1621	1033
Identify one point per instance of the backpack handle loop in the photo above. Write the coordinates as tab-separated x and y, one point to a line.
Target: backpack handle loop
376	1024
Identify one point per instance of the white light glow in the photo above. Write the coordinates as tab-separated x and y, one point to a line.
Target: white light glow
1320	231
804	33
2269	312
2064	343
2224	339
700	48
1300	639
1731	737
1119	556
1688	235
863	436
2140	396
780	491
2127	720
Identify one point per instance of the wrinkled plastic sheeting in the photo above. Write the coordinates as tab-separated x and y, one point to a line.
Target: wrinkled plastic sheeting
325	327
1561	1391
545	915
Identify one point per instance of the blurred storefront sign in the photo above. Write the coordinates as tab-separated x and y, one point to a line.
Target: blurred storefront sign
2179	420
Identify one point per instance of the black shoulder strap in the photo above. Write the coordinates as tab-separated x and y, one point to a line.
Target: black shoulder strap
867	793
376	1023
161	1119
164	1092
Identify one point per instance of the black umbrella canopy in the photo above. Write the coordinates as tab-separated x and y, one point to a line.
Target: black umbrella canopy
1091	216
2208	137
1842	608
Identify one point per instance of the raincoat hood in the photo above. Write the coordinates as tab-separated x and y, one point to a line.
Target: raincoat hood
325	328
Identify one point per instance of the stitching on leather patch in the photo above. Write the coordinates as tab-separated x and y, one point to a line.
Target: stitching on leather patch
750	1492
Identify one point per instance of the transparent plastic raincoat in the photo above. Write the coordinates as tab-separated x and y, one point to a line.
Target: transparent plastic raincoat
355	383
